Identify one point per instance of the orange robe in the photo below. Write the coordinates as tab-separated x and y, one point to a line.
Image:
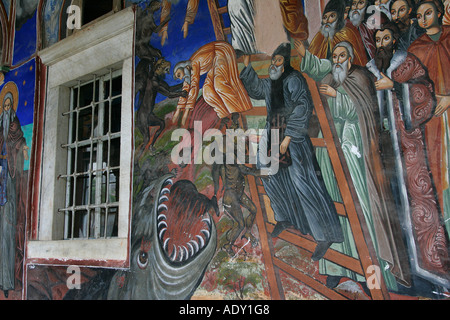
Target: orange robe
321	47
223	89
435	55
294	19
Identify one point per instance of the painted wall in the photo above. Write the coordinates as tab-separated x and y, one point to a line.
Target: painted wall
214	230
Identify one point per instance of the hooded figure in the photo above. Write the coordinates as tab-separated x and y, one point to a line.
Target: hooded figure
297	193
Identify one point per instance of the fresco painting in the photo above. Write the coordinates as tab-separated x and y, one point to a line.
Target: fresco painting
285	149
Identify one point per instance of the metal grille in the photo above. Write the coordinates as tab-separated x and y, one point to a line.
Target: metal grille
93	158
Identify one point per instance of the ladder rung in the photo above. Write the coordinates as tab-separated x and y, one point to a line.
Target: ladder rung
309	245
227	30
222	10
309	281
318	142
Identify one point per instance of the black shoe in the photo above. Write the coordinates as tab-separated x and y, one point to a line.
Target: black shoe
282	225
321	249
333	281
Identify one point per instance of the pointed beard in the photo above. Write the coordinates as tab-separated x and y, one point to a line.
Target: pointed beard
328	29
275	72
340	72
383	57
403	24
356	16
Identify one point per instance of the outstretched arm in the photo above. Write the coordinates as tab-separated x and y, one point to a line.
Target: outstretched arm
171	92
256	87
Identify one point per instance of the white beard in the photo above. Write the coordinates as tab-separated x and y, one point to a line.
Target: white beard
275	72
356	16
340	71
328	29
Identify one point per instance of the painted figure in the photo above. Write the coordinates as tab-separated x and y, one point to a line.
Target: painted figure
334	30
404	87
403	14
298	195
13	153
150	82
433	50
191	12
222	89
358	15
351	97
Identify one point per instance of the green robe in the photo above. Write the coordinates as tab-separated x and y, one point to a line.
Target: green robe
347	124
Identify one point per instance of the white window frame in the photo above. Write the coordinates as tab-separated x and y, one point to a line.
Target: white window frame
106	44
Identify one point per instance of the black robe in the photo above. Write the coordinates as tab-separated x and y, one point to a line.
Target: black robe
297	193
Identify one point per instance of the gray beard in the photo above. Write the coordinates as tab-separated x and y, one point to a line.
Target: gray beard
6	122
328	30
275	72
340	72
356	16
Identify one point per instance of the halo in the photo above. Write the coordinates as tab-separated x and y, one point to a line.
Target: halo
12	88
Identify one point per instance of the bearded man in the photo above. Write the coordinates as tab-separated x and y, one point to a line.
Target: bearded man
351	97
13	153
404	87
433	50
222	89
403	13
334	30
358	16
297	193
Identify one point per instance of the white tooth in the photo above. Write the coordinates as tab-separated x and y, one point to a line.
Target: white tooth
162	206
174	255
207	220
165	191
165	244
195	244
206	232
163	199
192	248
163	216
162	232
170	181
162	223
181	254
187	252
202	242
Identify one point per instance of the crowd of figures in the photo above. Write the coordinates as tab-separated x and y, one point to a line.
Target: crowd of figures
381	67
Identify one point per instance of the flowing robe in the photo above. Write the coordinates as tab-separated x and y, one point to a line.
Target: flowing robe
296	192
411	104
259	26
355	116
435	55
12	161
222	89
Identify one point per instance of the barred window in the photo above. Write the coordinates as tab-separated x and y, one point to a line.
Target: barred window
82	211
93	168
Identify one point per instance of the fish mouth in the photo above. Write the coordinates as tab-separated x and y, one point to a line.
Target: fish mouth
183	223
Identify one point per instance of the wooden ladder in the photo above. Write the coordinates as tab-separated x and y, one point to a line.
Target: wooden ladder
349	207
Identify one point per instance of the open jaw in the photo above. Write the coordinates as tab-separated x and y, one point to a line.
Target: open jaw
183	223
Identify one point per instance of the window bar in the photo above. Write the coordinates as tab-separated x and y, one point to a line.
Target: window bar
69	165
75	165
99	165
91	155
109	151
